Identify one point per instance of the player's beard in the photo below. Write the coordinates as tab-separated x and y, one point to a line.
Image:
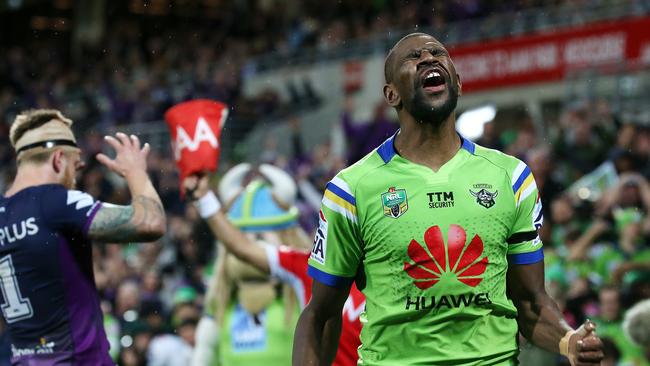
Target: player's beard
424	112
69	179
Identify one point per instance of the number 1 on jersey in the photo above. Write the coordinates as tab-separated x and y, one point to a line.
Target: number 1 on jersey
15	307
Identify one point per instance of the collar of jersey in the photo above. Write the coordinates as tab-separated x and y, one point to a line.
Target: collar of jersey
387	149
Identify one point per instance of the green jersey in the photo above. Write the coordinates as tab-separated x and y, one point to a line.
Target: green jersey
262	340
431	251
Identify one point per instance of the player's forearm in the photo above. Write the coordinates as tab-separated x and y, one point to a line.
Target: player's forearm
316	339
148	212
142	221
541	322
237	242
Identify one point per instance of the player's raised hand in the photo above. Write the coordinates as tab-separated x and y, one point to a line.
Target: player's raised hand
585	347
196	186
130	158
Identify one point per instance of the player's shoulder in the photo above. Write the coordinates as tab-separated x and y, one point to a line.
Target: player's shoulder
354	174
54	190
46	193
498	159
57	200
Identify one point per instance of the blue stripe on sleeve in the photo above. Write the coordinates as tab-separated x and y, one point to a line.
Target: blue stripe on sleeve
341	193
328	279
526	258
521	179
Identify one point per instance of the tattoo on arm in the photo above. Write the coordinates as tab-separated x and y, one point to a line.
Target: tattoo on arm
115	223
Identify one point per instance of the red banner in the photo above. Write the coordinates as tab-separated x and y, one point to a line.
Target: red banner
548	56
195	128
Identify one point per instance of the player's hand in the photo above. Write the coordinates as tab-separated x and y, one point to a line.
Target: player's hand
585	347
196	186
130	158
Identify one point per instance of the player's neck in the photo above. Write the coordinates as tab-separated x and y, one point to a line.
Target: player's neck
426	144
29	176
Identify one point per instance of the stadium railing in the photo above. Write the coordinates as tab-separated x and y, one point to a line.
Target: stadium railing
511	23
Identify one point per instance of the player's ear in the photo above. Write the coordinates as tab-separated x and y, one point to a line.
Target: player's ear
460	85
58	160
391	96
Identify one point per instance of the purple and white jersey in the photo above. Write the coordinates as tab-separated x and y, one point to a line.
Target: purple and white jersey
49	298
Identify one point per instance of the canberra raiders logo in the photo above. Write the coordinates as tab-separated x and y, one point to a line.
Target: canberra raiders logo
484	197
394	202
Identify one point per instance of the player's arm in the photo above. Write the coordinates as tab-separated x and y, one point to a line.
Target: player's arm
319	326
333	264
541	321
144	219
538	316
232	238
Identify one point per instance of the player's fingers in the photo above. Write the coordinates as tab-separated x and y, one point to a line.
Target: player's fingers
589	326
587	363
591	343
124	139
146	149
106	161
204	181
190	183
135	141
593	356
113	142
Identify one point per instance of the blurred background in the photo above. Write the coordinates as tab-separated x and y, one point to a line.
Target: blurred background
563	85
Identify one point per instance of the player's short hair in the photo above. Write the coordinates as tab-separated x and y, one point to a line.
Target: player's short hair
388	62
636	323
30	120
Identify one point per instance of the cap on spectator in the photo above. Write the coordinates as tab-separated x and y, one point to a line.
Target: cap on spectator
265	203
184	294
135	328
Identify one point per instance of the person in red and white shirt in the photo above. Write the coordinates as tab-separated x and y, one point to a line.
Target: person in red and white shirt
290	266
287	264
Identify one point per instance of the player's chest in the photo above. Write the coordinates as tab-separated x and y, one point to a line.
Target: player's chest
395	212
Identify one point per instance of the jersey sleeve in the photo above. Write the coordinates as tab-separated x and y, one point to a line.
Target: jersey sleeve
70	211
337	250
290	266
285	261
524	244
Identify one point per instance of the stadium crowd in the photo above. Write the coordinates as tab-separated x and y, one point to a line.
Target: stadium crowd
598	260
591	166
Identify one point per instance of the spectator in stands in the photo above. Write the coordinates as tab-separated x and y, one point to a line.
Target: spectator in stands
172	349
364	137
541	162
490	137
579	145
609	325
625	209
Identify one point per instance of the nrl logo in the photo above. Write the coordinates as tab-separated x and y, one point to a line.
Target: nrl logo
484	197
394	202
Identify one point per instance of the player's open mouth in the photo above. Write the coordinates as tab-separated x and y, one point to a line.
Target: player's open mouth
433	81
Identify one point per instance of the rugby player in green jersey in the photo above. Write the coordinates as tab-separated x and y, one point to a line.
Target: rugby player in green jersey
441	235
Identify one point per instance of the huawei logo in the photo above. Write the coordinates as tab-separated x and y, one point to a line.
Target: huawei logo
459	259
